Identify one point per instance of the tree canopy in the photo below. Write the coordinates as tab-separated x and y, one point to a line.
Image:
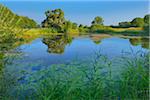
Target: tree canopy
147	19
97	21
125	24
137	22
54	19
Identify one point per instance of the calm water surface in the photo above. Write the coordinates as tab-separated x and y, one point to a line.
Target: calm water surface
54	50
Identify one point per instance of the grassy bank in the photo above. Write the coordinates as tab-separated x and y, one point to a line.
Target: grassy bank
132	31
38	32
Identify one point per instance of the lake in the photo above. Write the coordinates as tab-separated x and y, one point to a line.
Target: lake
31	62
43	52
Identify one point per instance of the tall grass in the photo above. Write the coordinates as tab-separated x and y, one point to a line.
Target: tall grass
8	80
134	81
91	80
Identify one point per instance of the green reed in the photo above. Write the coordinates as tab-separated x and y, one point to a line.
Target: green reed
91	80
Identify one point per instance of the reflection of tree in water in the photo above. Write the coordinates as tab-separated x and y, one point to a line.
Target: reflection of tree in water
97	42
144	42
135	41
98	38
56	43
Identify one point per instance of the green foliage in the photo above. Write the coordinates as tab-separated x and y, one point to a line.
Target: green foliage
7	40
70	28
146	30
8	80
57	43
125	24
9	19
54	19
83	29
97	21
101	29
74	25
96	28
137	22
147	19
92	79
135	76
147	24
11	25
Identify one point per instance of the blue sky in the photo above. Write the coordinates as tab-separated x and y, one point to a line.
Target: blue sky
112	11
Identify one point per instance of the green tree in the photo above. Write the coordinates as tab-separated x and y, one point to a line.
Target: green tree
80	26
54	19
147	19
68	25
147	23
74	25
137	22
98	21
83	29
124	24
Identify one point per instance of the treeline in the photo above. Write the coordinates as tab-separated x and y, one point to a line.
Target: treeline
136	22
9	19
56	21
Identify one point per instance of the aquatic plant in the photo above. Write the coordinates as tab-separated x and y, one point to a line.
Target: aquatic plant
91	80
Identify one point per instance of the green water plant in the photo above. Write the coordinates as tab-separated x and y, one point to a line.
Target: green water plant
92	80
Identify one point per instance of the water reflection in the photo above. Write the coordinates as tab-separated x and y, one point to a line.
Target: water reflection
144	42
57	43
98	38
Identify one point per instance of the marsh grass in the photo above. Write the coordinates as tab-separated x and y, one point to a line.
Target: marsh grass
8	80
134	81
90	80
